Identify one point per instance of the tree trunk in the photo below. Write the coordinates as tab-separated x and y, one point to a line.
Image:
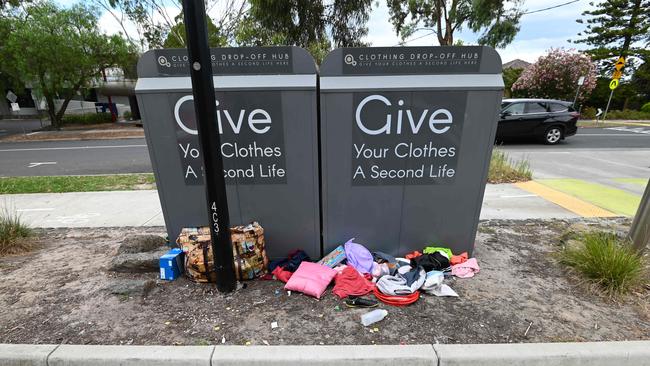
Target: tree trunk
64	106
51	111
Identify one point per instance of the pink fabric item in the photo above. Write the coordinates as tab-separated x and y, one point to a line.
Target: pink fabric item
311	279
465	269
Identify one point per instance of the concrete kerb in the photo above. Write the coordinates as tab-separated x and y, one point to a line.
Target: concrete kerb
25	354
547	354
78	355
635	353
416	355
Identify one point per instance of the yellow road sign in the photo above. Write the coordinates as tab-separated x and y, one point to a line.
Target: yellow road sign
617	74
613	84
620	63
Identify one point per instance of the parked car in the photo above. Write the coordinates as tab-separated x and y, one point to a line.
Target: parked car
549	120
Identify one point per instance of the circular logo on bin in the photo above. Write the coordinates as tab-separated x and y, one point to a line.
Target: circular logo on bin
162	61
349	59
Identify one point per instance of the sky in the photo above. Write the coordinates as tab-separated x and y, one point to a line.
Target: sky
538	32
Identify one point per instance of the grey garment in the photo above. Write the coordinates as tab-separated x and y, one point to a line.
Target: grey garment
397	285
413	275
383	256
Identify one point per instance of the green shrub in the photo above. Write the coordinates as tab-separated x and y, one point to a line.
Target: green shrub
628	114
13	234
588	113
505	170
646	108
607	261
127	115
87	119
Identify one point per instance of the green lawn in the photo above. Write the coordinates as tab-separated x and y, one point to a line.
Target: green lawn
87	183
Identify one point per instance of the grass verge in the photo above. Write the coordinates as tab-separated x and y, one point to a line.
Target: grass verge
87	183
14	234
503	169
606	261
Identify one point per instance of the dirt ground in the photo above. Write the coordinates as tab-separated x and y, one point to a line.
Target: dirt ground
59	294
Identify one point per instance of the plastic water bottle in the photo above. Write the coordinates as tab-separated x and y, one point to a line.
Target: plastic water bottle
373	317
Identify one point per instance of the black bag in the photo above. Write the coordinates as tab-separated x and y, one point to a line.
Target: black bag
431	262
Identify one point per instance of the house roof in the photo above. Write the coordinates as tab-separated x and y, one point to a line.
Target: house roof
516	64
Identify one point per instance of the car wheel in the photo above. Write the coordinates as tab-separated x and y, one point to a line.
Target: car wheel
552	136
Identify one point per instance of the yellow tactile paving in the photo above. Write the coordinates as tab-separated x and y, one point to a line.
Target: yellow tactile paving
564	200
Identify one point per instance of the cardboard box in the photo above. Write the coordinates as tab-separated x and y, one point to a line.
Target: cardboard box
335	257
171	265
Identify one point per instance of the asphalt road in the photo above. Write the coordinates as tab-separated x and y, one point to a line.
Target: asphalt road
74	157
600	155
592	154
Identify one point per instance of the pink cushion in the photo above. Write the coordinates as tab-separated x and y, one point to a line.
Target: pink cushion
311	279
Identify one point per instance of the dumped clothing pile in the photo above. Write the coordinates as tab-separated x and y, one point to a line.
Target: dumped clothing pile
357	272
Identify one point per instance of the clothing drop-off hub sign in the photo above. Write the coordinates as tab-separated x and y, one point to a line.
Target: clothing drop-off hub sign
406	138
267	117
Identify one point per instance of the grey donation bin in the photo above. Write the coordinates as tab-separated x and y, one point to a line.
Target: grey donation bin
267	117
406	139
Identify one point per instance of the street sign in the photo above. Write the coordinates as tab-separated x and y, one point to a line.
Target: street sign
12	97
15	107
600	111
617	74
620	63
613	84
581	80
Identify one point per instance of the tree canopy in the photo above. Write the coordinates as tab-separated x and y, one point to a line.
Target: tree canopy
57	51
176	37
306	23
617	28
497	21
156	24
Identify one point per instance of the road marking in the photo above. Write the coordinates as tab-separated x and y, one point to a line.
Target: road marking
34	209
564	200
613	162
613	134
33	133
75	219
612	199
628	129
73	148
32	165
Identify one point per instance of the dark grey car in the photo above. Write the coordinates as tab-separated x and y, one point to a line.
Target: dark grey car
549	120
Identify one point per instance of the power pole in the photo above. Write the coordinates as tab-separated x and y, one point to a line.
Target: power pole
210	142
640	229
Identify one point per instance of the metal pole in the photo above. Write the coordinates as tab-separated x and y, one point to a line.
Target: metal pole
640	229
576	97
209	139
607	108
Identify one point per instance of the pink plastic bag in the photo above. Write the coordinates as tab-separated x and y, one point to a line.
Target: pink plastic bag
465	269
311	279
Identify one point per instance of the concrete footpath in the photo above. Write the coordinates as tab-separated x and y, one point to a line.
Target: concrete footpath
142	208
635	353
